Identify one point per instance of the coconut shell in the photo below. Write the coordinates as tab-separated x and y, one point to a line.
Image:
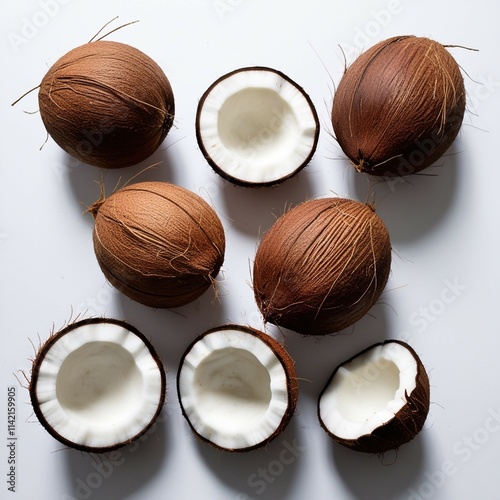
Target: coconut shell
44	351
107	104
407	422
399	106
207	148
292	383
322	266
159	244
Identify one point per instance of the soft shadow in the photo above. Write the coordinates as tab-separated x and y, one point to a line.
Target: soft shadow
413	205
172	330
119	474
253	210
386	476
317	357
85	180
265	473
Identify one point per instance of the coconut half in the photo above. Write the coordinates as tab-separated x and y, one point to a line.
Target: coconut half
97	385
256	127
377	400
237	387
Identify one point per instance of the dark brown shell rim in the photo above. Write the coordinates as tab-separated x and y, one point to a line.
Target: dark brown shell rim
42	352
288	367
389	436
216	167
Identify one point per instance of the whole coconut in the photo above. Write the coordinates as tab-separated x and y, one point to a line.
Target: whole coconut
399	106
322	266
107	104
159	244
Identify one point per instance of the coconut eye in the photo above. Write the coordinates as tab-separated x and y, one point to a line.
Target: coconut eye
256	127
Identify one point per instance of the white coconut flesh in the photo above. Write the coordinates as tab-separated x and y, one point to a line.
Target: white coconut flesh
257	126
233	389
99	385
368	391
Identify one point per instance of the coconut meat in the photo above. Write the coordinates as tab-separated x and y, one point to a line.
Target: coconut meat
256	126
98	385
368	391
233	389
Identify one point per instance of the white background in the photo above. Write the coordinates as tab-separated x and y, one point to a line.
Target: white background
442	296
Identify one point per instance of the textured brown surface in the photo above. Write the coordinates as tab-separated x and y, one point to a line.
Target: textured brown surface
107	104
399	106
159	244
321	266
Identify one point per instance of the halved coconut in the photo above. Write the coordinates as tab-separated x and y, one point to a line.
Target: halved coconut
256	127
97	385
377	400
237	387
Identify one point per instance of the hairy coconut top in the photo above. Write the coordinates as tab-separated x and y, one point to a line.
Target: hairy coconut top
107	104
322	265
399	106
158	243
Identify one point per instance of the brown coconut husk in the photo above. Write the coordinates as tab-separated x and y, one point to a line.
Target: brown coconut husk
107	104
158	243
322	266
399	106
